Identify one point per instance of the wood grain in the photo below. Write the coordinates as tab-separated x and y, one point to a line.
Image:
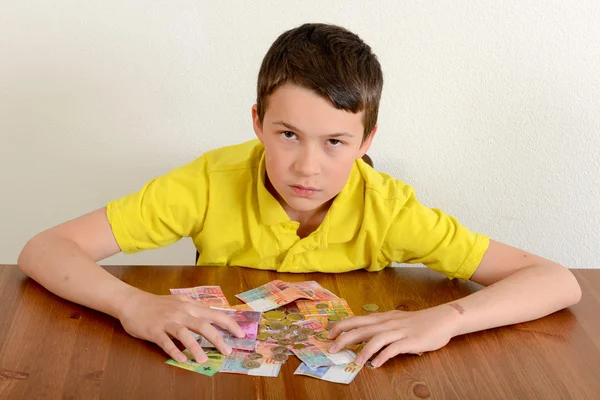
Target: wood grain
52	348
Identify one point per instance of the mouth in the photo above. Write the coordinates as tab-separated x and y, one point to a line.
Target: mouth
304	191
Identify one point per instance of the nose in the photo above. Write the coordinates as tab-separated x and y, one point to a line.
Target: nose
307	163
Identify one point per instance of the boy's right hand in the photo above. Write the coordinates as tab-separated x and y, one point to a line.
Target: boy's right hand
160	318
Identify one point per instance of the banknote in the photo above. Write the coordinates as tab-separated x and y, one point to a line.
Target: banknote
277	293
233	363
337	373
334	307
209	368
209	295
242	307
316	354
247	320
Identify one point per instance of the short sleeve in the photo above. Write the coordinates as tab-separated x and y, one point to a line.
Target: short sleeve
419	234
166	209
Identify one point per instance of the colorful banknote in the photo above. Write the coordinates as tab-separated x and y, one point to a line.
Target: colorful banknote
209	368
247	320
234	363
278	293
337	373
209	295
316	354
337	307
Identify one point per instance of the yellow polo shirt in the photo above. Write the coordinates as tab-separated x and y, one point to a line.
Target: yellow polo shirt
220	201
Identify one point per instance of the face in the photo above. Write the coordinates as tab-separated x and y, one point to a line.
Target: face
310	147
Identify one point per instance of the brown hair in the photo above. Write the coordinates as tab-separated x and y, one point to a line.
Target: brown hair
330	60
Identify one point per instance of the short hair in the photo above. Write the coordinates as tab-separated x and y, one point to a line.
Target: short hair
329	60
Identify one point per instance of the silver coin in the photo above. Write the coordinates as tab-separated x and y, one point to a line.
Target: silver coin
280	349
255	356
250	364
280	357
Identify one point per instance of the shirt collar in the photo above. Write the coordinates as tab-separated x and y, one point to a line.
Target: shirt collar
343	219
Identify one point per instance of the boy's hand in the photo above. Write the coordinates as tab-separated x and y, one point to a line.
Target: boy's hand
160	318
402	332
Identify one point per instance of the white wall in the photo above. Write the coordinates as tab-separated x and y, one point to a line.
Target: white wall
490	109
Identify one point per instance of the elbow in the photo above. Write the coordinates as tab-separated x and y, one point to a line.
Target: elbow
26	258
573	292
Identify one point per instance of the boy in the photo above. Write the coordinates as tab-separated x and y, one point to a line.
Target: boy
298	199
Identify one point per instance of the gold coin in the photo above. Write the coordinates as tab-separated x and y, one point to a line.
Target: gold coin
263	336
295	317
275	326
278	336
262	327
274	315
250	364
299	346
280	357
299	338
285	322
279	349
284	342
322	306
295	328
333	318
342	314
370	307
255	356
307	331
322	336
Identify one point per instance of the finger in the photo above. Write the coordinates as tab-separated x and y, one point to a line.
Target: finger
184	335
349	324
360	334
376	343
226	322
402	346
356	322
169	347
212	335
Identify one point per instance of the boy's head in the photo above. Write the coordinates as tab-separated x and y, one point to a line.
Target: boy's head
318	97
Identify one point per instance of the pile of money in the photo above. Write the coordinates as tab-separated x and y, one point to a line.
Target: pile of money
277	326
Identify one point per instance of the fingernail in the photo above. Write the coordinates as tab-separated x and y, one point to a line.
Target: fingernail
227	350
181	358
332	348
375	363
358	360
329	335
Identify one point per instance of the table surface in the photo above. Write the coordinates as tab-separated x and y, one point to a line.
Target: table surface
52	348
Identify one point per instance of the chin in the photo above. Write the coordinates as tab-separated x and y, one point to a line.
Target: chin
304	204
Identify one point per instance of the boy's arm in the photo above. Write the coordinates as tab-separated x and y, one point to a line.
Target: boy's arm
63	259
522	287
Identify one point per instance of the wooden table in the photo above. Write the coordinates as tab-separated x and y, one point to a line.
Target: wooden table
52	348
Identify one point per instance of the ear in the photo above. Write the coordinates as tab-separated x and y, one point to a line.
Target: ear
364	147
258	131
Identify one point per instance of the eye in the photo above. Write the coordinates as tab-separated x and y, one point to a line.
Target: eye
335	142
288	134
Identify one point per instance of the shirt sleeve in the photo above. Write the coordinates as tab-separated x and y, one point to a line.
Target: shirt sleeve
166	209
419	234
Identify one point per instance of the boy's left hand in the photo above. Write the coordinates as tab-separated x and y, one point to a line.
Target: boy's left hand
402	332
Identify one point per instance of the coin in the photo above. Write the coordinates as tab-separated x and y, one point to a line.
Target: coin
333	318
293	310
322	306
330	325
342	314
322	336
250	364
262	327
295	317
299	338
307	331
275	326
284	342
279	349
370	307
274	315
299	346
295	328
369	364
278	336
285	322
263	336
286	329
280	357
255	356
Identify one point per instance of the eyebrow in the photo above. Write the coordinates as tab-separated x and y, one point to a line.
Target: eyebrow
293	128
